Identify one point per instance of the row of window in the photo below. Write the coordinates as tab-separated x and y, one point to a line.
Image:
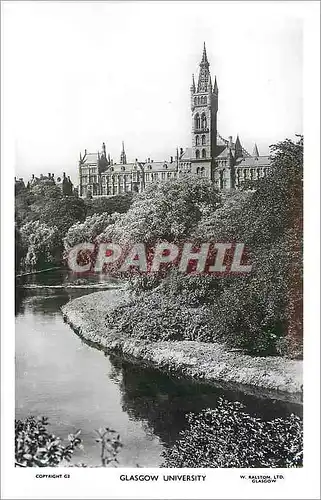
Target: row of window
200	121
200	100
199	154
200	140
252	173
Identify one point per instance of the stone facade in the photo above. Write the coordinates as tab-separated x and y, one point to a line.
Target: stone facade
226	163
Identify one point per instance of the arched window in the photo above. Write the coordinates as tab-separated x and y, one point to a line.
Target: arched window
197	121
221	179
197	140
203	140
198	170
204	122
203	153
197	153
205	100
195	101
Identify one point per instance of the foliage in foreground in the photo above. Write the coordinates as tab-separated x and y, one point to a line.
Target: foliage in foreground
223	437
36	447
228	437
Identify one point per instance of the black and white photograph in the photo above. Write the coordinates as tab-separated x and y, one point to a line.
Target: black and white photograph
160	168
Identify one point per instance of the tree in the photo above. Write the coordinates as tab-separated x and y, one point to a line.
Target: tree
165	211
88	230
63	213
118	203
42	244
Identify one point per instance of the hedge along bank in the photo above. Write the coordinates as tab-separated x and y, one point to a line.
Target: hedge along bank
210	258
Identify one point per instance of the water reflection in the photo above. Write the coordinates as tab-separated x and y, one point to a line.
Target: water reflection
163	401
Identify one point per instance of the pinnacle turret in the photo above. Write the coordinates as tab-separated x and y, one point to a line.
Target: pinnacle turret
215	87
123	159
238	148
193	87
255	151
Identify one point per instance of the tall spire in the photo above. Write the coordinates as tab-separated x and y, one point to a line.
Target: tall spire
204	75
255	151
123	159
204	61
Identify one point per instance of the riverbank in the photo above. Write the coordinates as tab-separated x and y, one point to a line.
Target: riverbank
273	377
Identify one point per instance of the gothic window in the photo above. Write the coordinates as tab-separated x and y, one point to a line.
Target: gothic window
197	140
258	173
197	153
205	100
203	140
198	170
221	179
197	121
203	153
195	101
204	122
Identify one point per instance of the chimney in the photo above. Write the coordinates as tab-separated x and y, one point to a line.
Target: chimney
171	159
64	174
49	175
33	176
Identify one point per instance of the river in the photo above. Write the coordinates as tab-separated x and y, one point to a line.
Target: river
80	387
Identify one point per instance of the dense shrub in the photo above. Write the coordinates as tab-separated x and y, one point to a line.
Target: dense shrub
154	316
229	437
36	447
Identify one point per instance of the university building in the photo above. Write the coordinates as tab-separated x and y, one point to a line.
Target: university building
226	163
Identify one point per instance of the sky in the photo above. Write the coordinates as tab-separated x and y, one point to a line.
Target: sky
77	74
